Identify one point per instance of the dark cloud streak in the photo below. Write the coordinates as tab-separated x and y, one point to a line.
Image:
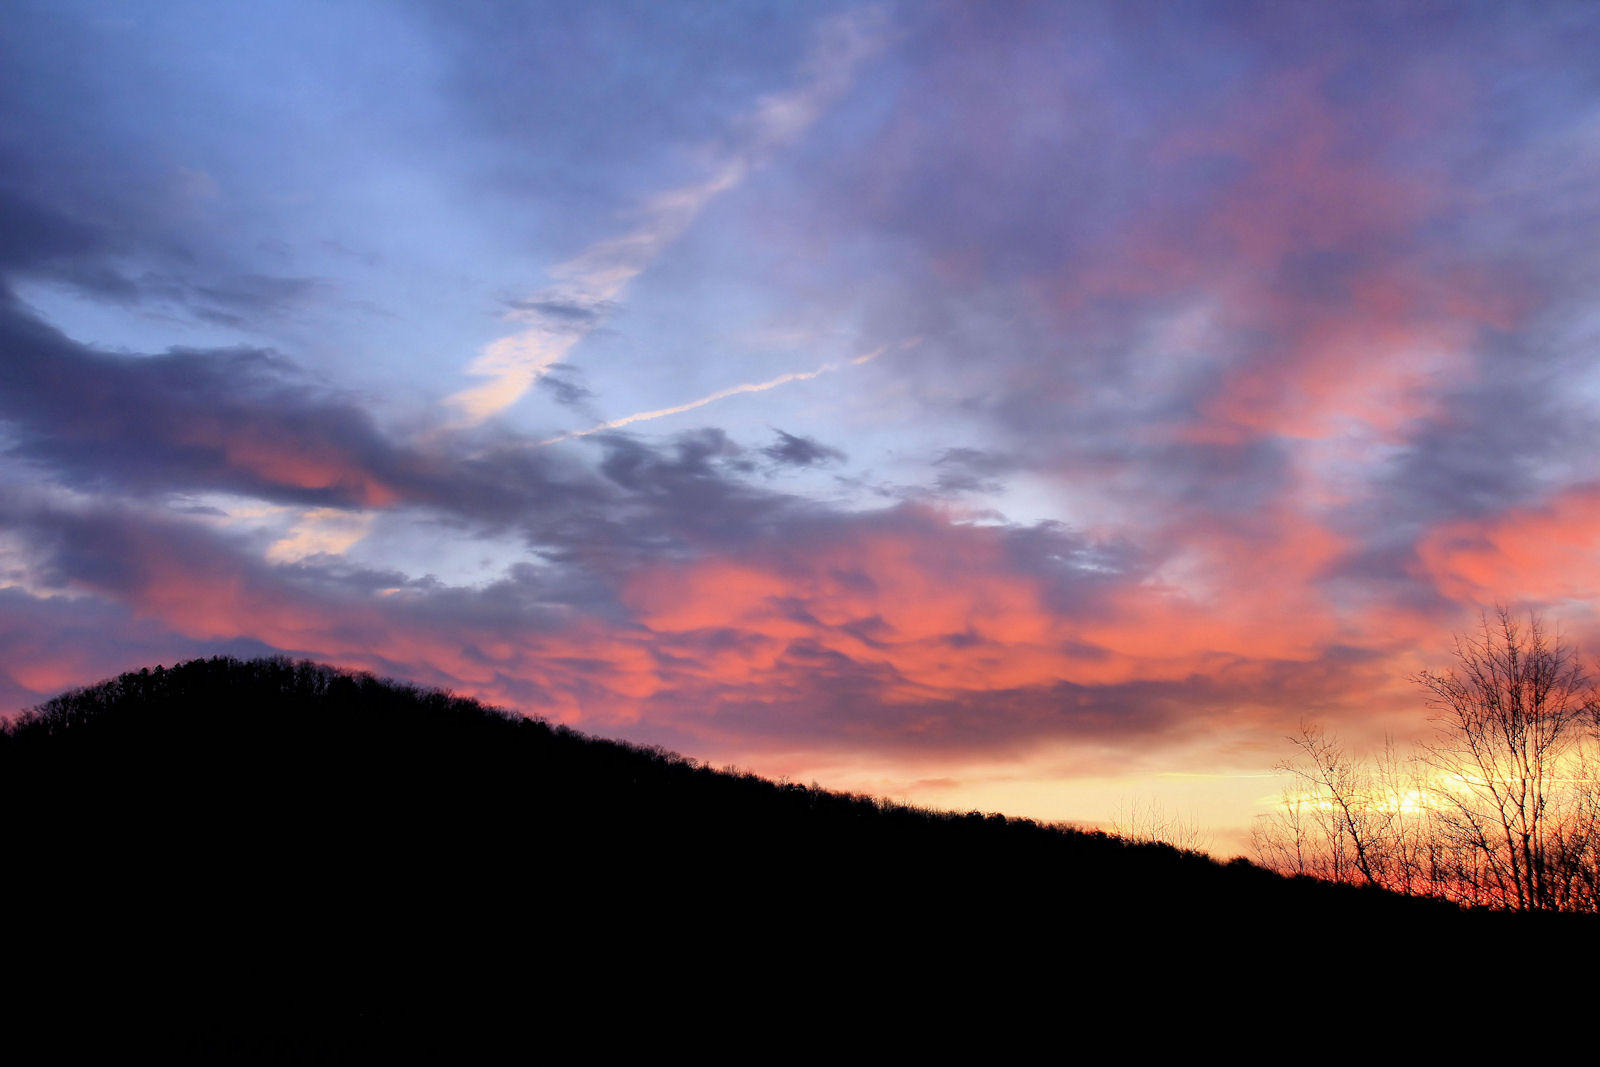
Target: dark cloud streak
792	450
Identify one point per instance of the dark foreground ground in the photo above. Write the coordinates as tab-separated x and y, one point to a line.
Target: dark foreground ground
279	856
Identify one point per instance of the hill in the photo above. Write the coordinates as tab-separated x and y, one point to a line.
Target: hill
290	841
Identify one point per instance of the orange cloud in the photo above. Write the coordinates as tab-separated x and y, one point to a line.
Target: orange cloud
1546	553
943	609
276	458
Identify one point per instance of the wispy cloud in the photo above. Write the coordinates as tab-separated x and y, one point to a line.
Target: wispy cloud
587	284
321	532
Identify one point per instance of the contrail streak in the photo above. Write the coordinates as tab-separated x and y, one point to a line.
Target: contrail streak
723	394
588	283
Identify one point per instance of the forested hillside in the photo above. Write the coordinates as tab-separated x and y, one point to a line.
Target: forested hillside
271	829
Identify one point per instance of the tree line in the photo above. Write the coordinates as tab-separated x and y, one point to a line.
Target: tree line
1499	808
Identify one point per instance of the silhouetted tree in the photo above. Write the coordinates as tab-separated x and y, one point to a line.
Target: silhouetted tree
1511	716
1148	821
1339	817
1501	808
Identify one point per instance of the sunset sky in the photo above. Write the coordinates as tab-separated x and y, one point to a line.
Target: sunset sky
1029	407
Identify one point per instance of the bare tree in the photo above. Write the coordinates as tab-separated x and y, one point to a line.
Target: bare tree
1583	838
1501	808
1282	840
1510	717
1149	821
1344	792
1345	817
1409	856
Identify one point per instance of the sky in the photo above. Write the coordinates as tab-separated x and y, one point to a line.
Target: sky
1030	407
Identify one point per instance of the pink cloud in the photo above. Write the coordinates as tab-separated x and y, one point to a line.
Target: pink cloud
1548	552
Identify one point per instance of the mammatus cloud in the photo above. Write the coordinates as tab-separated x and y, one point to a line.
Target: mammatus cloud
589	283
